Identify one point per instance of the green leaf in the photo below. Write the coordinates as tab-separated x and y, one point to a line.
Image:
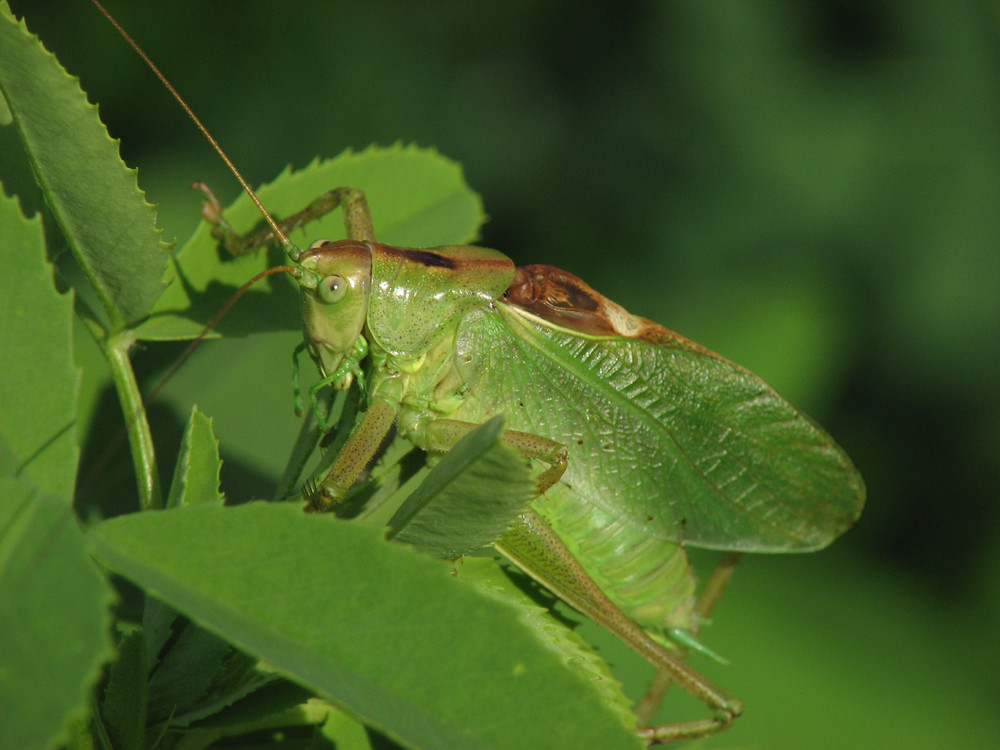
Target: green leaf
345	732
123	708
194	659
469	499
487	576
385	633
39	382
91	193
417	197
53	617
259	697
196	477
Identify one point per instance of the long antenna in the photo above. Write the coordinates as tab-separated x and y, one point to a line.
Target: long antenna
285	243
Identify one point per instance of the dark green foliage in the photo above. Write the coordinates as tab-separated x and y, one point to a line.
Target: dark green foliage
809	189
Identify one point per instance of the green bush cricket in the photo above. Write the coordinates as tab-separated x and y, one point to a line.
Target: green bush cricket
647	441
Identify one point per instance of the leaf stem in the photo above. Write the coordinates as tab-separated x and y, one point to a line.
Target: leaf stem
140	437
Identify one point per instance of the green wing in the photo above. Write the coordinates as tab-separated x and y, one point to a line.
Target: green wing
687	445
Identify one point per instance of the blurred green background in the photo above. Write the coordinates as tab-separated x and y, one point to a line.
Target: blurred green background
811	189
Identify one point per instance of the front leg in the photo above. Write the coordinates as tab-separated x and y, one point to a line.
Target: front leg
362	447
357	219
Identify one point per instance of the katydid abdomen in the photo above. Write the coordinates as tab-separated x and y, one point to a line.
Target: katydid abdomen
649	579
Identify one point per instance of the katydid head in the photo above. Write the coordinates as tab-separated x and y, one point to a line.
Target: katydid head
334	280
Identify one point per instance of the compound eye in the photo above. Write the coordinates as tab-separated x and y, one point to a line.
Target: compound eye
332	289
318	244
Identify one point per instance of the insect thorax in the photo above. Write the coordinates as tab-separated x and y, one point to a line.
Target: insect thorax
422	388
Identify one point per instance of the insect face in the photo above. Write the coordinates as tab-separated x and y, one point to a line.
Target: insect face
335	282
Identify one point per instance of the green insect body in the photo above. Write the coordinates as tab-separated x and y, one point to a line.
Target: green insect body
666	442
